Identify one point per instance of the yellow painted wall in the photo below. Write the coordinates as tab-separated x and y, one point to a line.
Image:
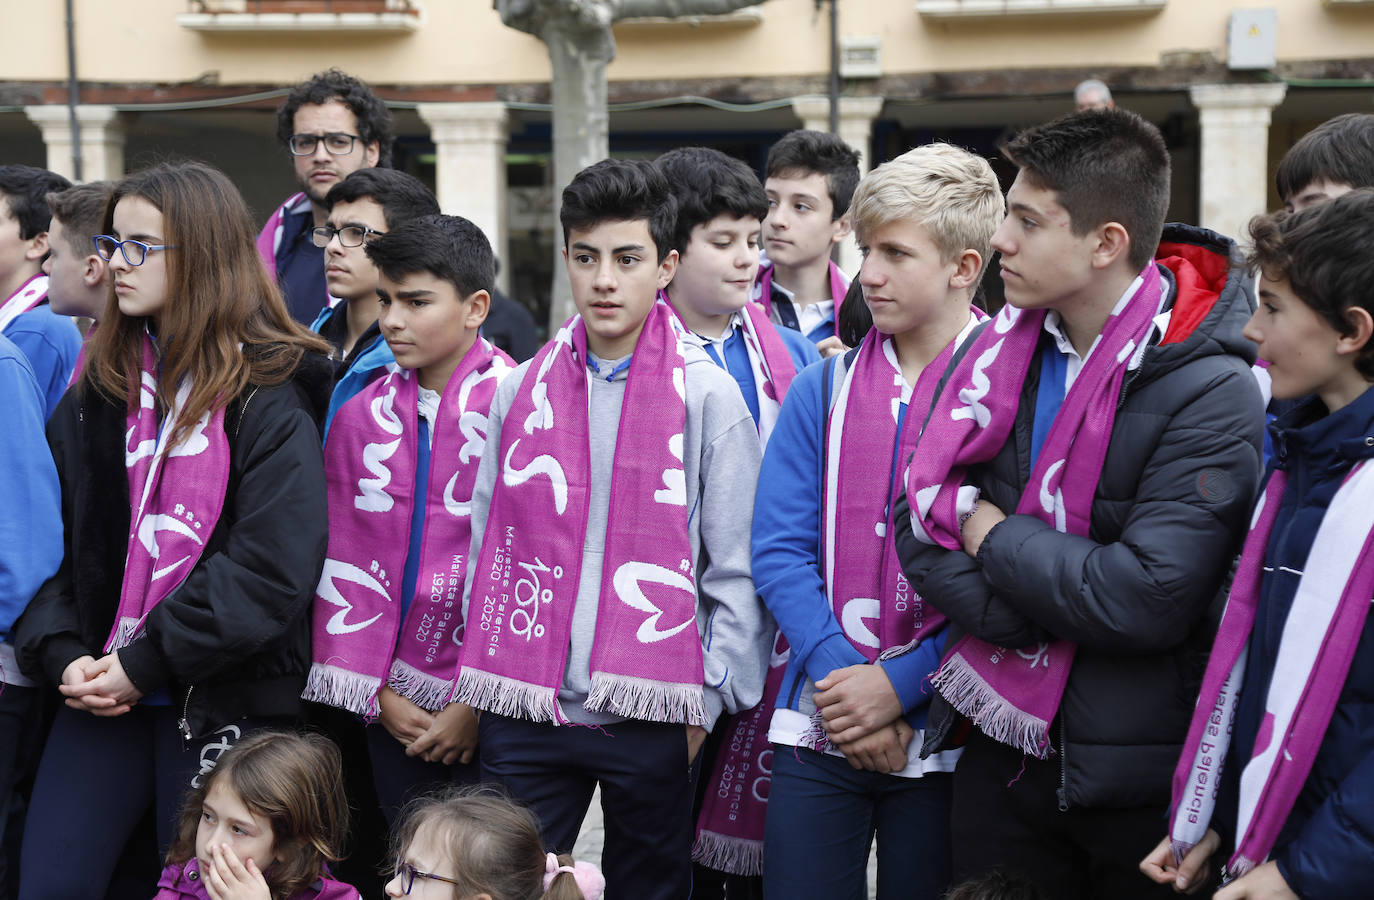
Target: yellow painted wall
464	42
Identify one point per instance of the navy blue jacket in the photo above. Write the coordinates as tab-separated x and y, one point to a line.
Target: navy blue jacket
1326	847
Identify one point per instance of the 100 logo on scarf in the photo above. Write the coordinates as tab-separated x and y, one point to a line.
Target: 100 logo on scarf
529	593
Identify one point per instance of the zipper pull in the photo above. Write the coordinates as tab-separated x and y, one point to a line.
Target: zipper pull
1063	798
185	728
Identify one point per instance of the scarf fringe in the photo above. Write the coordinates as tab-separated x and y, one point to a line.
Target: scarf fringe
124	634
732	855
427	691
647	700
815	738
506	696
999	719
339	687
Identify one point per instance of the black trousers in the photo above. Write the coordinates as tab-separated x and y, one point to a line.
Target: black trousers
647	784
1006	815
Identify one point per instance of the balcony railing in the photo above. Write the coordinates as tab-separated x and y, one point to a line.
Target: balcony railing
301	15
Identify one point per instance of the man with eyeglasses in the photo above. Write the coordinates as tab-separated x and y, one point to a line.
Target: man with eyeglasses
332	125
362	207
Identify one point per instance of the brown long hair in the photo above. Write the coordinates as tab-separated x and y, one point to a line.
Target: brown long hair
293	781
493	844
219	296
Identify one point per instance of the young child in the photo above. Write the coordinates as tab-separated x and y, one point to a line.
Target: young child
611	585
1284	770
720	205
50	341
482	845
811	176
194	506
401	459
362	207
863	646
1109	410
265	823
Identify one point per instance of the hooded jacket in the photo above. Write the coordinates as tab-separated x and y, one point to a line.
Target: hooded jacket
1141	594
234	638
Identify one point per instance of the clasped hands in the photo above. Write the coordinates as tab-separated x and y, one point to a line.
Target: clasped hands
99	686
862	716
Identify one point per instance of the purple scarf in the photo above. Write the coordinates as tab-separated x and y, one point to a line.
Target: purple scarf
30	294
769	361
646	658
270	236
1319	640
370	464
763	288
1013	694
176	494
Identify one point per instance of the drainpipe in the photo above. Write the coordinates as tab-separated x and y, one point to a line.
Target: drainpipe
834	66
73	93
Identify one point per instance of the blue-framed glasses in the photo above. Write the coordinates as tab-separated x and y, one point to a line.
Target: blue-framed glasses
408	873
134	252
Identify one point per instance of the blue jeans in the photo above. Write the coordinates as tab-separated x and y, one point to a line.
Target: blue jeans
822	816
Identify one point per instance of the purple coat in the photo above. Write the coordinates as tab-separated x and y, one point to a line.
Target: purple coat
183	882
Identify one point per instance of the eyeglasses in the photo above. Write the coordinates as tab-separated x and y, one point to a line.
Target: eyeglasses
134	252
408	873
338	143
349	235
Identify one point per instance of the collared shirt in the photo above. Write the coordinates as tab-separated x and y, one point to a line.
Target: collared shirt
810	316
730	351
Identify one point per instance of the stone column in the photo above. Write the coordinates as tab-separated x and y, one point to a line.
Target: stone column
1234	170
470	170
102	139
856	129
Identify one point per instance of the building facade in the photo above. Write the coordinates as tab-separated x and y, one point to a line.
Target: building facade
1232	88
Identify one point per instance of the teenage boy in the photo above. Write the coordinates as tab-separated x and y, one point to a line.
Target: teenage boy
610	526
76	273
1291	808
387	621
364	206
50	341
824	559
810	177
720	205
1076	497
1299	605
331	125
1330	160
30	551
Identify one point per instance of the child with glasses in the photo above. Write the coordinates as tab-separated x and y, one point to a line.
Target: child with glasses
264	823
193	495
477	843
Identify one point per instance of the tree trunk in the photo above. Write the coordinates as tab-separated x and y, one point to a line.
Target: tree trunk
581	132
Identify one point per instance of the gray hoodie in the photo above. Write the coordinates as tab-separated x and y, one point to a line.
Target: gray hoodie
721	458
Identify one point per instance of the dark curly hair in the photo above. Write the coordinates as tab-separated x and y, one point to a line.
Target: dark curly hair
707	183
805	152
1339	150
1326	254
620	190
374	119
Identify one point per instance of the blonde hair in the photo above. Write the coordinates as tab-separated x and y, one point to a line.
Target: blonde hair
951	192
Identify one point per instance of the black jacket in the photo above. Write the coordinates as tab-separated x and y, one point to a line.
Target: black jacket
234	638
1168	515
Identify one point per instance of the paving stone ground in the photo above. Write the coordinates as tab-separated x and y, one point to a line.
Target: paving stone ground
593	834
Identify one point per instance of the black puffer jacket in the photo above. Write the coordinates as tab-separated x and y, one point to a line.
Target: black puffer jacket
234	638
1168	515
